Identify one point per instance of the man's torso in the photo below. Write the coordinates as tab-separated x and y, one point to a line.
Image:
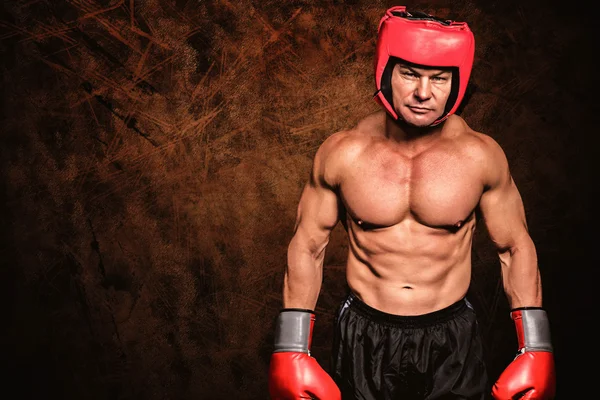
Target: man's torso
410	215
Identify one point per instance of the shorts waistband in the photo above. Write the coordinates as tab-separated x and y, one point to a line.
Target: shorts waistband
416	321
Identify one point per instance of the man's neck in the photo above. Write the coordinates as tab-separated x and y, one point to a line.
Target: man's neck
410	137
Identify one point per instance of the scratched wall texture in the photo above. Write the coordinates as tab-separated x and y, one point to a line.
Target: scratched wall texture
153	153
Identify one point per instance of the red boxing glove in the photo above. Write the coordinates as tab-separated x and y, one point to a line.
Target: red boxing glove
293	373
531	375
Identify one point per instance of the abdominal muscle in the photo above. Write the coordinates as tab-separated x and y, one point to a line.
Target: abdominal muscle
409	268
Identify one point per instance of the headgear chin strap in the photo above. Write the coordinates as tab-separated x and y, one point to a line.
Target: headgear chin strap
422	39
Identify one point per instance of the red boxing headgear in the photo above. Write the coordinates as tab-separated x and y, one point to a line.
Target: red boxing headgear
419	38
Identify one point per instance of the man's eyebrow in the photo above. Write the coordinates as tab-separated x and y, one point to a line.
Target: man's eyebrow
409	69
442	72
414	70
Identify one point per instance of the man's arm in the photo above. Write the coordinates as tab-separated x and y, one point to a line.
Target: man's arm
531	375
293	372
317	215
502	209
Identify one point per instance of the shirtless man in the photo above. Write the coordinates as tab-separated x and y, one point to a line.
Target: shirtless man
408	183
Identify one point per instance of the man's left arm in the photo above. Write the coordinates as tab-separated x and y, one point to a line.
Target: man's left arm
503	213
532	372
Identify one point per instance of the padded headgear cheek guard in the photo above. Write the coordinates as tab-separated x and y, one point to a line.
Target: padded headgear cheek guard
422	39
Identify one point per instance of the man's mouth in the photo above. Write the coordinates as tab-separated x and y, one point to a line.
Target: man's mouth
419	110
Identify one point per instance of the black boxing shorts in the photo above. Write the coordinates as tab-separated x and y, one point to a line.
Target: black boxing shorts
380	356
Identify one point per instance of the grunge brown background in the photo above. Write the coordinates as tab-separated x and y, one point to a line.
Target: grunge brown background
153	153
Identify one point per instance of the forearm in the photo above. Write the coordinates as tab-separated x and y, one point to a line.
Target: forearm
303	276
293	372
521	276
531	374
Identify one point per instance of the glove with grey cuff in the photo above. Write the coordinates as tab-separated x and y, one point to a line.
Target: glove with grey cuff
293	373
531	375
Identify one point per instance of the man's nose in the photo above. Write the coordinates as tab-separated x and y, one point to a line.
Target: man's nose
423	89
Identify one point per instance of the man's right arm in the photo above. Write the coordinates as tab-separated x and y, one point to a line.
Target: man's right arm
293	372
317	215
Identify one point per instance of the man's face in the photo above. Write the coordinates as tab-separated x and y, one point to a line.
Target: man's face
420	94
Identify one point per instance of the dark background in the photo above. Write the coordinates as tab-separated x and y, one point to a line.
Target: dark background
153	153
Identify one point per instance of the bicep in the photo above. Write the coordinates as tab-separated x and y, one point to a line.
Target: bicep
318	208
317	215
503	213
501	205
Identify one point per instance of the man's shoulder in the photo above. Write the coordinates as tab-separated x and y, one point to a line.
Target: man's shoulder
487	146
339	147
345	140
476	142
485	151
349	142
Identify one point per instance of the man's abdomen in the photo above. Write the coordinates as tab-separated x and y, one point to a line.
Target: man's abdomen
410	269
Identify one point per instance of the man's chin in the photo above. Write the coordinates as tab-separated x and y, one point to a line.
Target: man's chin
420	121
420	124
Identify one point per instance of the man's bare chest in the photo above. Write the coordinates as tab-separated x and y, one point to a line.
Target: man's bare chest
434	189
